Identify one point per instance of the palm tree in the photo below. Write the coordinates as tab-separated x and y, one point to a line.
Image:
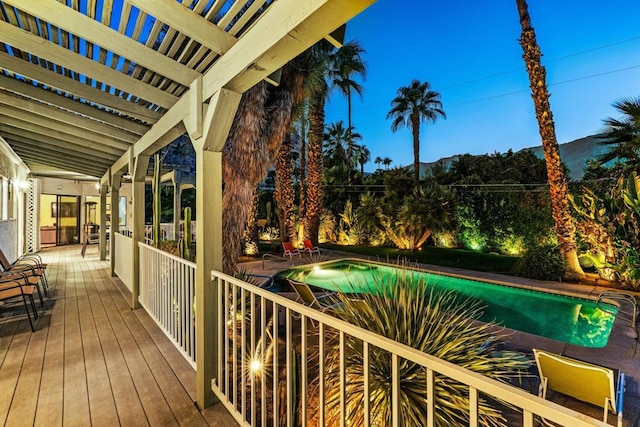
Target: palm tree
413	105
624	133
386	162
337	142
302	128
364	155
561	211
346	63
318	90
378	162
243	166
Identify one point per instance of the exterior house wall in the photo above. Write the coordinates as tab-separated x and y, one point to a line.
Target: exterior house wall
13	178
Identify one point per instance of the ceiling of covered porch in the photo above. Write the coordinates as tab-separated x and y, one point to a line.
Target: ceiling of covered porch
82	80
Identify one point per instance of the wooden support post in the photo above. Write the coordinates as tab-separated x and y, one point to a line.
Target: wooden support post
115	220
103	222
208	148
141	163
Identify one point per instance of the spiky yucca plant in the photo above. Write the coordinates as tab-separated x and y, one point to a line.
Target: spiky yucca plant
406	309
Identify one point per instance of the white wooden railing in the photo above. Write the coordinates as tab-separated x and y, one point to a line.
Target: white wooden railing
167	292
249	318
124	258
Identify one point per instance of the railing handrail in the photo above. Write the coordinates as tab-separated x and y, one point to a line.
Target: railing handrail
168	255
526	401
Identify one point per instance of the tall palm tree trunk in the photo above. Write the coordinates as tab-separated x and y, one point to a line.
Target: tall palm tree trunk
289	95
564	223
303	168
415	130
314	172
245	160
284	194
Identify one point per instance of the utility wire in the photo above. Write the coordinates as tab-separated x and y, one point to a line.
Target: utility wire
502	73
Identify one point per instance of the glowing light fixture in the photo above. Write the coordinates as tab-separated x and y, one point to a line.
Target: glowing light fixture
255	366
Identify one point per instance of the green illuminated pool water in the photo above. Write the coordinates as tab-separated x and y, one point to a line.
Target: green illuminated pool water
567	319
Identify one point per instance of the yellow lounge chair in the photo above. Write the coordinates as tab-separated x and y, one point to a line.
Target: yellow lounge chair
600	386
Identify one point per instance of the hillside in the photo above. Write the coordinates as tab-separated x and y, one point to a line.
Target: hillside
574	154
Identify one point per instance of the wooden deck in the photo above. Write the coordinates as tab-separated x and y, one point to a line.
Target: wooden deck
93	360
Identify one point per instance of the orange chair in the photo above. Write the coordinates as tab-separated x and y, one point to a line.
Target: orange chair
290	250
310	249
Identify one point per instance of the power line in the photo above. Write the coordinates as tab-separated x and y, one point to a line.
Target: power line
590	76
488	77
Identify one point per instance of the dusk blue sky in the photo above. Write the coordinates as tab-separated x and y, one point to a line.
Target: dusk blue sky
469	52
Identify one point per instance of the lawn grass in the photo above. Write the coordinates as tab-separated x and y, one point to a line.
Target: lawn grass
458	258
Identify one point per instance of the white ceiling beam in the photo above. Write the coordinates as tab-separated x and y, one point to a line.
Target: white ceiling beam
34	153
52	52
78	167
76	23
83	110
190	24
27	107
286	29
39	147
34	124
81	90
22	135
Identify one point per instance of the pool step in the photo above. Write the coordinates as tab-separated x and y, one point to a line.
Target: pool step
608	299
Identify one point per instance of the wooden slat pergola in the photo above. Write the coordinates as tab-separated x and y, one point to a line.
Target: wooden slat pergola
95	87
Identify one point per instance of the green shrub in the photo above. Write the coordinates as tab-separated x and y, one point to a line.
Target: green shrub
406	309
542	262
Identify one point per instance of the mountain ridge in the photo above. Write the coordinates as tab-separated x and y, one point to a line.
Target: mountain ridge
574	155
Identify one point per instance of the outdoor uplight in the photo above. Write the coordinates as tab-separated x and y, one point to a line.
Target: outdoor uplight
255	366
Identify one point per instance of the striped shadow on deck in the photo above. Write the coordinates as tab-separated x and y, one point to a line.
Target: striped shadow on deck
93	360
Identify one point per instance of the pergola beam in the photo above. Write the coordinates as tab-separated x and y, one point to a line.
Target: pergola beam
25	109
76	23
78	167
50	128
192	25
267	47
81	90
62	146
44	49
79	108
68	158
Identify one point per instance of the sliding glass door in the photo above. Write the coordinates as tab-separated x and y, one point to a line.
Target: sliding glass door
67	213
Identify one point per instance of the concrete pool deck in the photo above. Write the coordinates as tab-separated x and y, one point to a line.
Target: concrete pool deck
621	351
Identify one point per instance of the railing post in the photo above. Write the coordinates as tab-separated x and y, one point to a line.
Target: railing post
115	220
139	175
103	222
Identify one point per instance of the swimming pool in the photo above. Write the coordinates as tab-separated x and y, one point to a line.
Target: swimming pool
562	318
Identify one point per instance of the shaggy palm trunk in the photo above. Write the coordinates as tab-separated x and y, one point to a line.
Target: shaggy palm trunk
245	161
314	173
564	223
415	130
284	194
303	172
289	95
251	230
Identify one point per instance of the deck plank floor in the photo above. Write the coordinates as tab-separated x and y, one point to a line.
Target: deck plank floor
92	360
